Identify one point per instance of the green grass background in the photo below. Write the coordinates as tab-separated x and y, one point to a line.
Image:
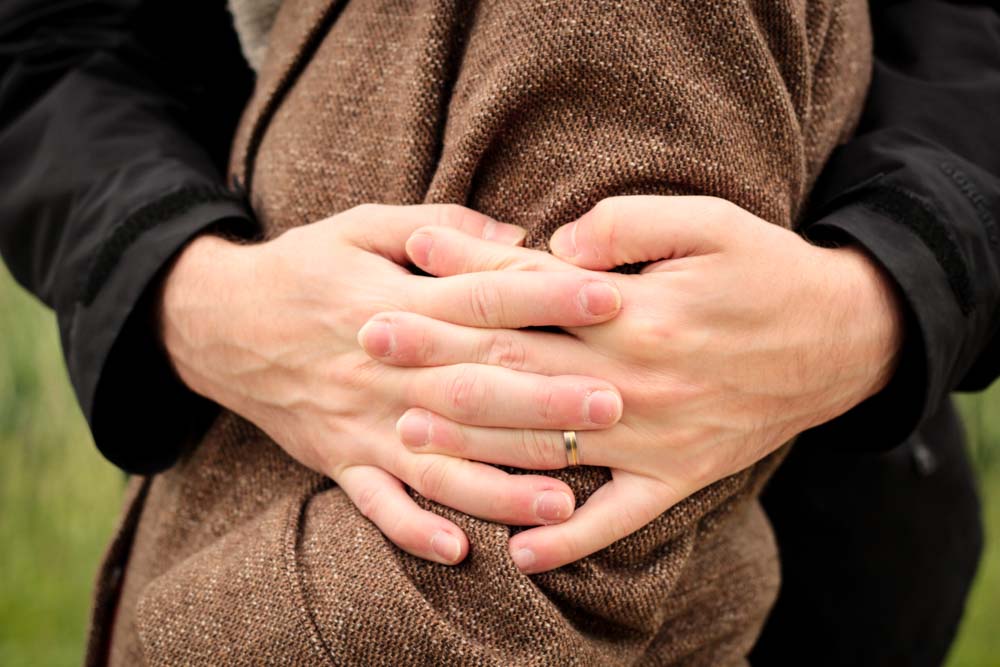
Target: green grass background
59	501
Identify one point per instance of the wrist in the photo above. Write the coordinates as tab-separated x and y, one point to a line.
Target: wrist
871	321
195	311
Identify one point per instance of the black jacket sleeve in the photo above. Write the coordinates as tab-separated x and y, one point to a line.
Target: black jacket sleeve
115	122
919	188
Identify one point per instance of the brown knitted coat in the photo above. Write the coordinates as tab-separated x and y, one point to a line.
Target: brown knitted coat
530	111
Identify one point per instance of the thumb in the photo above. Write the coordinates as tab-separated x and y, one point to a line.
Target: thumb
643	228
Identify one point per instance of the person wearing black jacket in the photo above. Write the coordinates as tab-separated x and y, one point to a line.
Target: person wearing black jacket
113	133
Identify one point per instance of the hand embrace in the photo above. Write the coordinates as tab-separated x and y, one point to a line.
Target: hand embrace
739	336
270	332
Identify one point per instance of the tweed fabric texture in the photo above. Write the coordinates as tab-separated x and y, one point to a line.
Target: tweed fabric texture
530	111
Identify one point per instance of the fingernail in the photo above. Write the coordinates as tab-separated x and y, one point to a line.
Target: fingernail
414	428
376	338
524	559
501	232
563	241
446	547
603	407
600	298
419	248
553	505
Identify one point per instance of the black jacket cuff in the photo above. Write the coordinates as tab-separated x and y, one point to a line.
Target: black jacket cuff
140	414
932	320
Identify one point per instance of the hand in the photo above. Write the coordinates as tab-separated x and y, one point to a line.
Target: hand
270	332
737	338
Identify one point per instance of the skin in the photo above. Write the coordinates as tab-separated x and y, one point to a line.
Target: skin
738	337
270	332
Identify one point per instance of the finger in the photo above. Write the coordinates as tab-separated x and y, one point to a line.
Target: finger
625	230
383	500
516	299
486	492
619	508
481	395
409	340
424	432
442	251
384	229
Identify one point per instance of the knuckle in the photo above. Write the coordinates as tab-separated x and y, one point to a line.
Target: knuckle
649	333
504	349
537	450
354	377
485	303
705	470
717	208
605	210
545	404
432	479
515	261
368	501
451	438
363	212
699	454
551	406
605	221
356	223
451	215
367	207
413	344
426	349
464	391
520	264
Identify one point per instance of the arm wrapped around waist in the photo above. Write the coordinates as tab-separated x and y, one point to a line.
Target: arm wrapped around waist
530	112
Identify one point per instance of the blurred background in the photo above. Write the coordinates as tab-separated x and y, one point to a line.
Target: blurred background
59	501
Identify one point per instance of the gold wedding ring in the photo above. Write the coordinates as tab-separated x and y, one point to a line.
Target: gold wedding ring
572	449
